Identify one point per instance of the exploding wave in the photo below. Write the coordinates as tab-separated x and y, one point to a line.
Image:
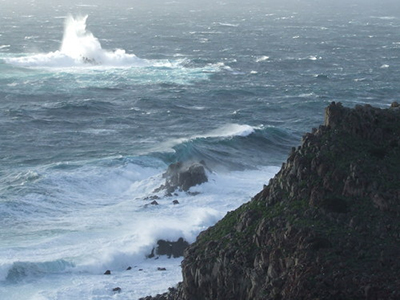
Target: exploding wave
79	48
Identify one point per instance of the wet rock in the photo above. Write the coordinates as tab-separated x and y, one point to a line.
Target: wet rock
325	227
318	243
170	249
183	176
153	197
117	290
108	272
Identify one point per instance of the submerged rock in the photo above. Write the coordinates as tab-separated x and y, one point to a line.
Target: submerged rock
88	60
325	227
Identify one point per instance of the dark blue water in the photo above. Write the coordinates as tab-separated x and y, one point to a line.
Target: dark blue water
89	134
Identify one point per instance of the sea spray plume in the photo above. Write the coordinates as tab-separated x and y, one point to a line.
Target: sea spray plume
79	48
80	44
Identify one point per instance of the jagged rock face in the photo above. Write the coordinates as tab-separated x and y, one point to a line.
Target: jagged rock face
327	226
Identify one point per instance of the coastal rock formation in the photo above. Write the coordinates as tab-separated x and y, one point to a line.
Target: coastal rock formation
183	176
170	249
327	226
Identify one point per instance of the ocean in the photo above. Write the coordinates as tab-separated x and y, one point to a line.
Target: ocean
97	98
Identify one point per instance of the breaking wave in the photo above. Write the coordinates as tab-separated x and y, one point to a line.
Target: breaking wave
79	48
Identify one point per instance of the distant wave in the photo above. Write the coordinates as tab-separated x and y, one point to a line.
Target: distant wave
384	17
81	52
60	59
228	24
79	48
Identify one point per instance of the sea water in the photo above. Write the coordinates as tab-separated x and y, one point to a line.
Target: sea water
98	98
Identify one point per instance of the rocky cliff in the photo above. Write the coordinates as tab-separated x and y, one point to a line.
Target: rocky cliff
327	226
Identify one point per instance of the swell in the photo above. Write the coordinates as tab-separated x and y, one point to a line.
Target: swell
26	271
262	147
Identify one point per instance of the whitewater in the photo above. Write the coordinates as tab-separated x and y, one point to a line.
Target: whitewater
97	99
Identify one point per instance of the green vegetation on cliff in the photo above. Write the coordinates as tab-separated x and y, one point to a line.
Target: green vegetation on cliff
327	226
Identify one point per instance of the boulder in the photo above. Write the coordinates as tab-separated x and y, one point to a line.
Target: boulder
171	249
183	176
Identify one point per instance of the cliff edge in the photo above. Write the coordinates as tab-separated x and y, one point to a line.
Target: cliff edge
327	226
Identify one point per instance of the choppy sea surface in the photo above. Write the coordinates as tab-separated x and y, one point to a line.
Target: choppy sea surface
98	98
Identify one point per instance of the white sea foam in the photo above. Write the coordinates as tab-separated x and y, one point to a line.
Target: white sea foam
100	221
307	95
231	130
262	58
228	24
313	57
81	53
385	18
79	48
225	131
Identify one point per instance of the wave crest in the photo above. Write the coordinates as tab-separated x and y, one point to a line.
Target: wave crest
21	271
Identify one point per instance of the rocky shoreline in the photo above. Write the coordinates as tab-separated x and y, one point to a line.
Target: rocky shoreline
327	226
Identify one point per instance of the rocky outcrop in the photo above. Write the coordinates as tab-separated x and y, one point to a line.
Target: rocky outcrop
170	249
183	176
327	226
